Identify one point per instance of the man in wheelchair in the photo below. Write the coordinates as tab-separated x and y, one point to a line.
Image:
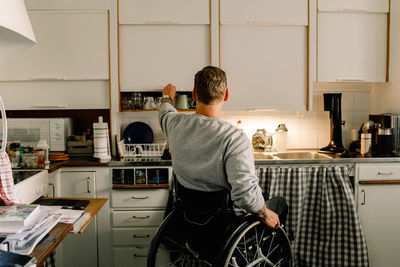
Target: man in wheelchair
220	217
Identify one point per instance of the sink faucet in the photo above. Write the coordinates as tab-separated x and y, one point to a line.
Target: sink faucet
262	141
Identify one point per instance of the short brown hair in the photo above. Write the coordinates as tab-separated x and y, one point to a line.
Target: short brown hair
210	84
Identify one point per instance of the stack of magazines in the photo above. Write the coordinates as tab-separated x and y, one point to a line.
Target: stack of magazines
24	226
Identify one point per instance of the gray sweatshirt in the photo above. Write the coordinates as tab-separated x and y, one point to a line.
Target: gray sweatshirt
209	154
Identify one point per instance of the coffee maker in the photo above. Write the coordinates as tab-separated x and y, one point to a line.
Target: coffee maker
385	138
333	104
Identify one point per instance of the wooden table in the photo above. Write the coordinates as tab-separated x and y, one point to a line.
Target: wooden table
44	249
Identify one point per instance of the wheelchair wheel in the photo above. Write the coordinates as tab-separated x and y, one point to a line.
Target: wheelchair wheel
169	248
255	245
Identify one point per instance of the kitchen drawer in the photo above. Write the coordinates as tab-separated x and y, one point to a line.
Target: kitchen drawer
133	236
131	256
137	218
140	198
378	172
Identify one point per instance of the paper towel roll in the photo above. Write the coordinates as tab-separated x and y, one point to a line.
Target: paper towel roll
101	141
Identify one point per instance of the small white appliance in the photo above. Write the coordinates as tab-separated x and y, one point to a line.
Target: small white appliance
31	130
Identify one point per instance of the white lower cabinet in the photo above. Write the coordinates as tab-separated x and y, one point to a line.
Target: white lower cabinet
136	215
378	198
92	248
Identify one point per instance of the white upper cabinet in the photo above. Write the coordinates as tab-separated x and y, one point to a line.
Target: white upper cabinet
164	12
71	45
69	4
151	56
352	47
267	12
354	5
266	71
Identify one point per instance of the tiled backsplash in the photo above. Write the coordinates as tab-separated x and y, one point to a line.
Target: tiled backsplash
306	129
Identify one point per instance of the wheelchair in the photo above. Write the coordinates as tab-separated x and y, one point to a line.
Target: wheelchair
204	231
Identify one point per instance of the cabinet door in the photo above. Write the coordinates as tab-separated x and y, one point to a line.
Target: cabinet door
266	66
77	184
71	45
164	11
70	4
352	47
81	249
130	256
354	5
151	56
287	12
379	215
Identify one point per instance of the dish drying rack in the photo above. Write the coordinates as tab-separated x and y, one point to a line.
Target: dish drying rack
141	150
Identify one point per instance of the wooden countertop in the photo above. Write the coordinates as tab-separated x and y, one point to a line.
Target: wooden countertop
45	248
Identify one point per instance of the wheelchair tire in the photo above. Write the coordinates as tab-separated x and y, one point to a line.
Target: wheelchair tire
255	245
168	247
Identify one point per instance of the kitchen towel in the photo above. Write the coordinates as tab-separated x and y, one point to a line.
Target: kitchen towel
322	214
7	197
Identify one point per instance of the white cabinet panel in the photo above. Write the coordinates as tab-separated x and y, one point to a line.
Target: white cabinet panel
137	218
70	4
352	47
130	256
55	94
79	250
71	45
78	184
133	236
284	12
354	5
379	172
379	215
152	56
266	66
140	198
164	11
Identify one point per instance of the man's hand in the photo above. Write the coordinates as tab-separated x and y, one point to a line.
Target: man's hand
268	217
169	90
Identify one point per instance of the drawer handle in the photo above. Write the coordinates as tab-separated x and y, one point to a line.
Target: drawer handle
141	236
141	217
385	173
139	255
146	197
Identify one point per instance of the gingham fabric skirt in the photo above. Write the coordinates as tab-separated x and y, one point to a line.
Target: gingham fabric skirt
322	214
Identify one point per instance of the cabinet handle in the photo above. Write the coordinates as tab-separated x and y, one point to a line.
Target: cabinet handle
141	217
50	106
350	79
139	255
146	197
141	236
88	184
363	201
385	173
53	189
352	10
163	22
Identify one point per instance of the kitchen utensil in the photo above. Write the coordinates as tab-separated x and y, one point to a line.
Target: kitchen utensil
138	133
181	101
366	144
385	142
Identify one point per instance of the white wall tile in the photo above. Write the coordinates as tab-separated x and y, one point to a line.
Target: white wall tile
323	122
293	139
362	101
348	101
309	121
323	138
359	118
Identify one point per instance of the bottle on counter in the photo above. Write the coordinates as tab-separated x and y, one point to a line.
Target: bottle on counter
45	147
281	138
366	144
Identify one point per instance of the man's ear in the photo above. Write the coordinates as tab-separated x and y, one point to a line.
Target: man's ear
194	95
226	97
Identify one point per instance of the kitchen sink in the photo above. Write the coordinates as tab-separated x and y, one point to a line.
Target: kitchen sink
289	155
263	155
301	155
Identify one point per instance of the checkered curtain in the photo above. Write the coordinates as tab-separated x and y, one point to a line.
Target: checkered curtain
322	214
